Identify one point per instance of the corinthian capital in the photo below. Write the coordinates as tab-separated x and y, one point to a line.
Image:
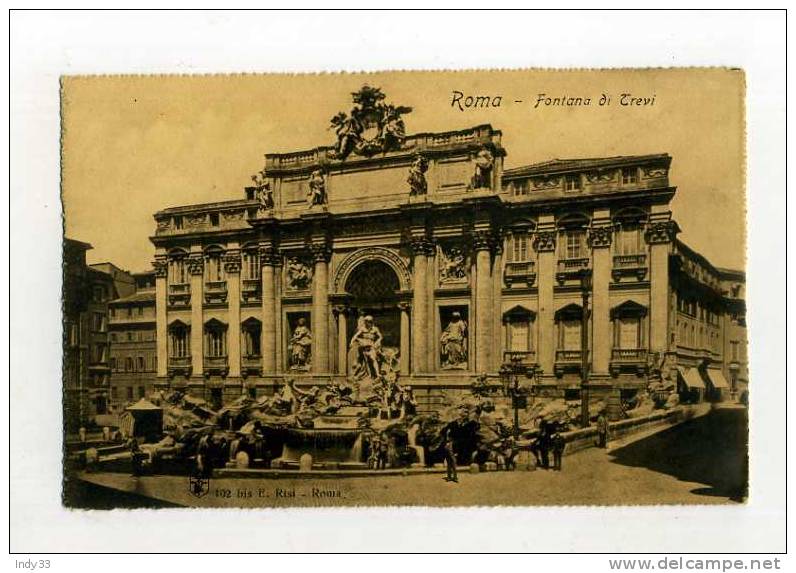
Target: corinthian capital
196	264
660	232
320	252
544	241
600	237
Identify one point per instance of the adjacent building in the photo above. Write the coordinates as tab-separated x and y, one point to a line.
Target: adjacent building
131	331
86	368
430	236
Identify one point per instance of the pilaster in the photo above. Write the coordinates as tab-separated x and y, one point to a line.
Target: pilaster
161	267
232	265
600	238
660	233
544	243
482	244
196	270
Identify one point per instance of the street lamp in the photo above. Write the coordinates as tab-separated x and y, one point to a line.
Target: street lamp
585	287
509	379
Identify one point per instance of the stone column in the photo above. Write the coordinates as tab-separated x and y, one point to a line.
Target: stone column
544	242
161	266
196	268
405	342
232	264
497	310
419	306
600	236
320	309
341	311
431	311
268	260
661	231
482	243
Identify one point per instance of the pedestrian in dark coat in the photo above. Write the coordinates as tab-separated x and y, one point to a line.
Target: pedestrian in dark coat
450	459
558	444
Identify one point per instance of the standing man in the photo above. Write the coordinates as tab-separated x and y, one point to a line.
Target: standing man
558	445
450	459
602	430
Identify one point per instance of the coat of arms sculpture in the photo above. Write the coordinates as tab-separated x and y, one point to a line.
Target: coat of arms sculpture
372	126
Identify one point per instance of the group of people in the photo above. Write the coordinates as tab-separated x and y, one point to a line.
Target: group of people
549	439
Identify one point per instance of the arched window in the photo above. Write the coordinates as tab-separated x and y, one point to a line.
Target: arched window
251	262
178	269
251	329
179	340
215	339
519	339
214	264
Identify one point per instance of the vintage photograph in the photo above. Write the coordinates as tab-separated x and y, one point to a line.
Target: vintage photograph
474	288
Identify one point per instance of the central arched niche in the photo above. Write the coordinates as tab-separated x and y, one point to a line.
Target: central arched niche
373	286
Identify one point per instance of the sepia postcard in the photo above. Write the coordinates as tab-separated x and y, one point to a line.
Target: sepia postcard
472	288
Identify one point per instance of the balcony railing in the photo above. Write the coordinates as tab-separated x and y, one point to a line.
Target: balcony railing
519	272
250	289
251	364
571	268
629	354
180	294
179	361
216	365
567	361
524	357
628	359
215	291
568	356
629	265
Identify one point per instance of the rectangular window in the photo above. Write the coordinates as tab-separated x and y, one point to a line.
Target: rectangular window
129	392
113	364
574	245
521	187
251	265
128	364
629	333
520	251
178	222
141	367
570	335
140	311
214	269
214	219
141	391
519	336
178	272
628	240
130	336
572	182
113	312
734	350
629	175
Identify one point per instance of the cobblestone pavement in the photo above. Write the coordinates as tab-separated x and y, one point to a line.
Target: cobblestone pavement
702	461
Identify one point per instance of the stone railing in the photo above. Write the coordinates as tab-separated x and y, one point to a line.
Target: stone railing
215	291
629	265
568	355
250	289
629	354
180	294
524	357
520	271
569	269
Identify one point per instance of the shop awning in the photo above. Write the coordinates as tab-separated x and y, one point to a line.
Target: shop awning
717	378
691	377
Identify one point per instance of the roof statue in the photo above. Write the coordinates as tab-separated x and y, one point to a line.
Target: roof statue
372	126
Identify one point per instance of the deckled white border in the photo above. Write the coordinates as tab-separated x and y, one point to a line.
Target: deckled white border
46	45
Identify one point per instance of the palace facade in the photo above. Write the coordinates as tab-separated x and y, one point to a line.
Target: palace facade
462	265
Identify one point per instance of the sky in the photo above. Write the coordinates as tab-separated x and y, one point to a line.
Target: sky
132	145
